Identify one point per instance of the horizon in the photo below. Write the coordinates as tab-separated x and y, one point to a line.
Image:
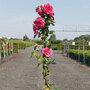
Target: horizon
38	38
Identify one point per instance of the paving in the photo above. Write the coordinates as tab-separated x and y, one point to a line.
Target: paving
20	73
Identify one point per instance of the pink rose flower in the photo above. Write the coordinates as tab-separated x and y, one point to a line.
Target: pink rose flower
35	29
39	10
48	9
40	22
46	51
52	19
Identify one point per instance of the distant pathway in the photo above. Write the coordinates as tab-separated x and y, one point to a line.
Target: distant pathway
20	74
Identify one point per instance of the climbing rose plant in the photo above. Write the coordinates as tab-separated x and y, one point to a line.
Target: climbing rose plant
41	29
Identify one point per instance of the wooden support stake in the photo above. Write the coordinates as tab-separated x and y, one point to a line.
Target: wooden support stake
42	2
0	54
84	53
4	49
79	52
7	48
68	49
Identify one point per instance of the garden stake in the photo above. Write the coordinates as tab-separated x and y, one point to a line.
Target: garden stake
42	2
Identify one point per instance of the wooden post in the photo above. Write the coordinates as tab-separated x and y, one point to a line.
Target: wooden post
12	47
42	2
64	48
43	84
68	49
0	55
84	52
7	48
43	69
0	50
4	49
79	52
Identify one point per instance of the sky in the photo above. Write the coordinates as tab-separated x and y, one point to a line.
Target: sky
17	16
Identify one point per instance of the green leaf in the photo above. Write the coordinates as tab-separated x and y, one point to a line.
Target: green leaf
47	73
55	88
51	32
52	24
34	36
34	53
51	85
39	35
51	62
45	65
60	89
39	59
45	59
39	64
54	63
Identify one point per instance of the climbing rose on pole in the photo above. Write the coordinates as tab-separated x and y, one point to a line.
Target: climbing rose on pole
41	29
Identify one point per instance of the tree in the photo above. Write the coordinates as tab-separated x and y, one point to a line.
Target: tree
65	40
25	38
82	37
53	37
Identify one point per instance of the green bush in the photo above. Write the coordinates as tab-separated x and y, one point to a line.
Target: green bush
56	41
39	42
20	44
73	53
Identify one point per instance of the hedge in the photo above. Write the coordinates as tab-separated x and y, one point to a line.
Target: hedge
74	55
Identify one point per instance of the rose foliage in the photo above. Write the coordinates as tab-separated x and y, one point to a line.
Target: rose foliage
41	29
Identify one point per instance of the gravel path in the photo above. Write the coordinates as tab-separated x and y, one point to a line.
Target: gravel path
20	74
69	75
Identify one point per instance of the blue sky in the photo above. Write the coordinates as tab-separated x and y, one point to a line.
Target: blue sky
17	16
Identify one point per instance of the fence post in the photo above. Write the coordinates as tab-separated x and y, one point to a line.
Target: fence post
79	52
84	53
64	48
4	49
7	48
0	55
68	49
0	51
12	47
